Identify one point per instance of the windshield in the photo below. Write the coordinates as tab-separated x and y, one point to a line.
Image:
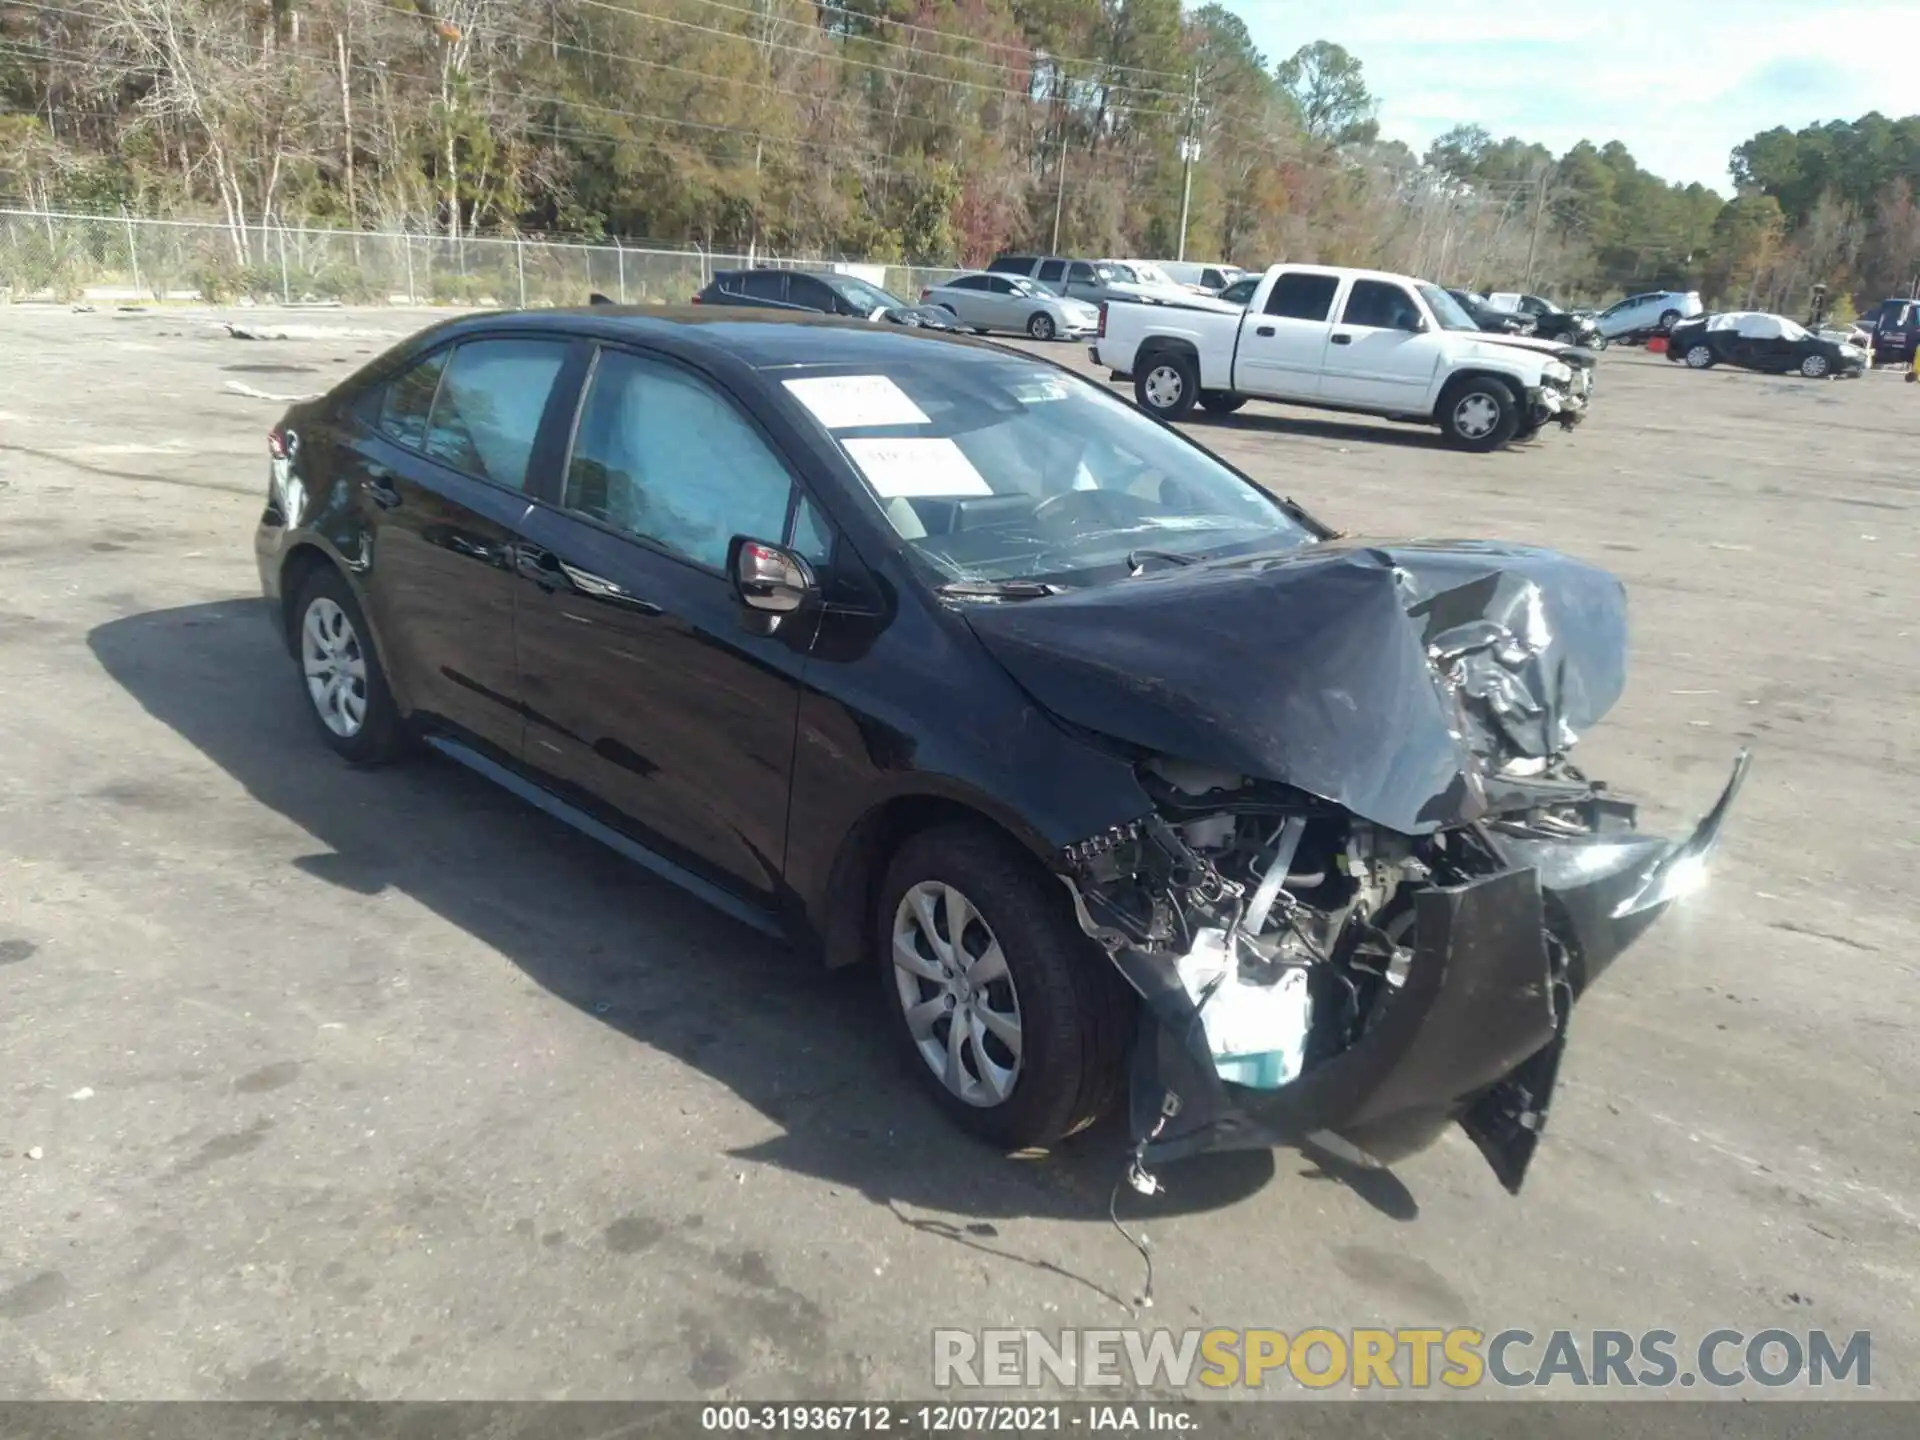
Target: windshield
1000	469
1446	310
867	297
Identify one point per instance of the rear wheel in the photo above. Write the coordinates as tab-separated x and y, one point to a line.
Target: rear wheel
1480	415
1041	327
1668	319
1221	402
1007	1013
1167	385
346	688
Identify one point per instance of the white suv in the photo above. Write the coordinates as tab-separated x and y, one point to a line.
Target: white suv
1654	313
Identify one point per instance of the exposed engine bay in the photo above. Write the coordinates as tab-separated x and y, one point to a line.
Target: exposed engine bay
1364	906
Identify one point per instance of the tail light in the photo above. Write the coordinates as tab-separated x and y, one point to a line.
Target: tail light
277	443
926	294
694	301
1100	331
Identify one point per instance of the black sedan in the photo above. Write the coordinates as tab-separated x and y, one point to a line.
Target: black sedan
819	292
1550	321
1489	318
1754	340
934	657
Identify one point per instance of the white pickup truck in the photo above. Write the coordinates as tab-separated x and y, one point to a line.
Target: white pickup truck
1355	340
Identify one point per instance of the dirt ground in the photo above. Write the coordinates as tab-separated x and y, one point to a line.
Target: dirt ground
329	1083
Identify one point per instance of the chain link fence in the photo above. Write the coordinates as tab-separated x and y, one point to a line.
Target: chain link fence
61	256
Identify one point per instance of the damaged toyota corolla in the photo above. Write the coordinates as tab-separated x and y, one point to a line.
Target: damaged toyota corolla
1125	773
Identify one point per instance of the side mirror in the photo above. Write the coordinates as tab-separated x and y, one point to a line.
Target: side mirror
769	577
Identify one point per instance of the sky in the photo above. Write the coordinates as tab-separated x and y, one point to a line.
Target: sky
1679	82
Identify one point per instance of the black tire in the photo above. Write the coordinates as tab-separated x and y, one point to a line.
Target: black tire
1912	376
1171	376
1040	326
1816	367
1221	402
1460	421
1668	319
1699	357
1075	1011
381	735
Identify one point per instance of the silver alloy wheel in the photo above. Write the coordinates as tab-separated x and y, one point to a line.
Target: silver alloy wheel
1041	327
1475	417
1164	387
335	667
1699	357
1814	366
956	993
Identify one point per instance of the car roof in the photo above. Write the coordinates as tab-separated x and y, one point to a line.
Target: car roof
769	339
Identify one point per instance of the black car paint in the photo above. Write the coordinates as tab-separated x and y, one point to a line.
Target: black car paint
1895	325
803	748
1492	321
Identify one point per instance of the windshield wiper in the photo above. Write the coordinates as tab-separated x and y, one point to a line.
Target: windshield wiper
1172	557
1000	589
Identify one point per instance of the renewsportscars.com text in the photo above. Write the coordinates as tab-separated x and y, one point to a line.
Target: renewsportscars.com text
1413	1359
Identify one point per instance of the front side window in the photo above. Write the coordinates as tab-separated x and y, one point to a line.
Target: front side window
998	469
1052	270
406	400
1298	296
488	409
1380	306
1081	274
1001	285
812	293
662	455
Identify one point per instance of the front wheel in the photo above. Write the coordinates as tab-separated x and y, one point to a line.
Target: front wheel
1012	1019
1221	402
1699	357
1167	386
1041	326
1815	367
1480	415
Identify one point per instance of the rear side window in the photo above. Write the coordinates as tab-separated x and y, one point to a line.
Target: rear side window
764	285
405	400
1380	306
1302	297
968	282
488	410
1012	265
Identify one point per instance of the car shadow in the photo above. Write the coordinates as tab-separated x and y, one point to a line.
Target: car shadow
798	1043
1415	437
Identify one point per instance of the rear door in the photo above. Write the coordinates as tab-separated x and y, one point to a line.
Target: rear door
1282	348
653	697
442	470
1383	351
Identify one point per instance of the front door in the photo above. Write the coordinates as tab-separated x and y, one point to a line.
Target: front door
651	694
442	470
1383	351
1281	349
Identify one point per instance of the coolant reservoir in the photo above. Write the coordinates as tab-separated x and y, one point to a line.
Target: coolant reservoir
1256	1033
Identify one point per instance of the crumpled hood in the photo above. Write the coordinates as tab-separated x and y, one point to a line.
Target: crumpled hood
1557	349
1390	678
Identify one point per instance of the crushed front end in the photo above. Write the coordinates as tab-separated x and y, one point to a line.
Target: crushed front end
1355	931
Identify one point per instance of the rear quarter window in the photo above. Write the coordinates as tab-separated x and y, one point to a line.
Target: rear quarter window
398	408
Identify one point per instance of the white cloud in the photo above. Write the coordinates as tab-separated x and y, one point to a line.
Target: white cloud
1679	82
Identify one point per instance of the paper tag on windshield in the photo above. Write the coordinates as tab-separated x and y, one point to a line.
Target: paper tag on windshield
847	402
915	468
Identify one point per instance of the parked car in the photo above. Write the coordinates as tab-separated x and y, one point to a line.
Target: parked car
939	658
1895	327
1754	340
984	302
1486	317
819	292
1094	281
1240	292
1654	313
1550	322
1355	340
1206	279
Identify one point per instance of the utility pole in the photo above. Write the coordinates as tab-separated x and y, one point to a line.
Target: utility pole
1189	151
1539	219
1060	194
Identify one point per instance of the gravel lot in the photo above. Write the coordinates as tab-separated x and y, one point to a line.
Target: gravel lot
324	1083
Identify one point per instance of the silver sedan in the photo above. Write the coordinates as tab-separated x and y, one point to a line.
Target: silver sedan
984	302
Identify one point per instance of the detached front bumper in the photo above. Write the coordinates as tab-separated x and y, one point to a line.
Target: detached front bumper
1475	1033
